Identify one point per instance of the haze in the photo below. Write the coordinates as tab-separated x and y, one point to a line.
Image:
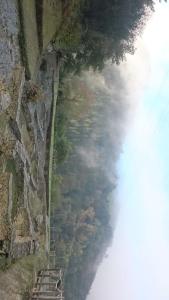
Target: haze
136	266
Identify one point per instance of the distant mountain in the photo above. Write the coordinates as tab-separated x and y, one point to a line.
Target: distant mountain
91	121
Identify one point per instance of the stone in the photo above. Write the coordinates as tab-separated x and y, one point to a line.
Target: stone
5	100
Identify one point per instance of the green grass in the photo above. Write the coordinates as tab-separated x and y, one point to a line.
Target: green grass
52	140
3	121
21	275
17	187
52	16
3	263
55	192
36	30
29	36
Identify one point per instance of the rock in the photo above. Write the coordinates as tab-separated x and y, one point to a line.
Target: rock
5	100
15	129
39	220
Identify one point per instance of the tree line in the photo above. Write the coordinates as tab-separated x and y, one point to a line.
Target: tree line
97	31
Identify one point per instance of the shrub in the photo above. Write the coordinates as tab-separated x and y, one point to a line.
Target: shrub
6	147
62	148
33	92
70	36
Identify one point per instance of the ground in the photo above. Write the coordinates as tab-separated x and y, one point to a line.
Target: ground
26	104
29	39
47	14
51	25
26	271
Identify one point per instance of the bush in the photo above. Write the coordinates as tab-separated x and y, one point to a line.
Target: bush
33	92
6	146
70	36
62	148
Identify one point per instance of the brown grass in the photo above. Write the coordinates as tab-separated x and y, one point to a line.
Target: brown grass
21	223
30	35
6	146
52	17
34	92
4	225
3	87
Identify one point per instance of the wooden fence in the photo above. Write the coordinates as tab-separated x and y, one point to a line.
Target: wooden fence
49	285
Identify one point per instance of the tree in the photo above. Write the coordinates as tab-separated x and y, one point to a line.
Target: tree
108	31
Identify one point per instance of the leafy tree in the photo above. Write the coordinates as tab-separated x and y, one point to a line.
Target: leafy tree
103	30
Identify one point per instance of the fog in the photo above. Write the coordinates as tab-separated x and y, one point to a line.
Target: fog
136	265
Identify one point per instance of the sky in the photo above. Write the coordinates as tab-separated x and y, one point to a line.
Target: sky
136	266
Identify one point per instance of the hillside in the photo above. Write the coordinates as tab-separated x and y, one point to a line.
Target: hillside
25	114
90	125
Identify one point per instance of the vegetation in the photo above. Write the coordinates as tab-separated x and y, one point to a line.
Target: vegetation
81	225
33	92
21	274
51	16
97	31
61	144
29	36
87	34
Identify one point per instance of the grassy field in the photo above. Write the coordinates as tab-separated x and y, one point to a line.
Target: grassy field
29	39
34	39
52	15
21	276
